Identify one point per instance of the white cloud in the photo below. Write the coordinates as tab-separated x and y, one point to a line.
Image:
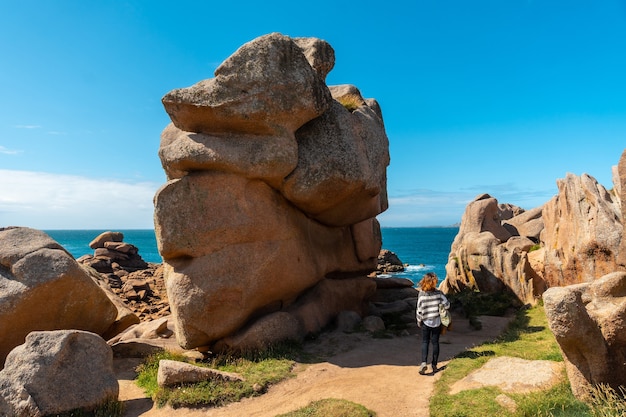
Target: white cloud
8	151
27	127
436	208
53	201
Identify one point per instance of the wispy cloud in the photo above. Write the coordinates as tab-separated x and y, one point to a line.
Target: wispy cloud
6	151
27	127
426	207
52	201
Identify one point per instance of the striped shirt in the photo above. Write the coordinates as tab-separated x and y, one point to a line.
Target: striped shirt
428	307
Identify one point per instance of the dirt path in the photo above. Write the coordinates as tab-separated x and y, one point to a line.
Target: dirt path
381	374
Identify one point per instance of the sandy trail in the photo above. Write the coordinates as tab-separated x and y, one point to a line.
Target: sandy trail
381	374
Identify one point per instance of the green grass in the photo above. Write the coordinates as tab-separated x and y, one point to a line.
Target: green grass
331	407
259	370
527	337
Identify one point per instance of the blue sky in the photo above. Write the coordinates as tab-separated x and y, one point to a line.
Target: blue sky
498	97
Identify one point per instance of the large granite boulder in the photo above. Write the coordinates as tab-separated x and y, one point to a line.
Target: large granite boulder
589	323
582	231
56	372
273	187
42	287
489	255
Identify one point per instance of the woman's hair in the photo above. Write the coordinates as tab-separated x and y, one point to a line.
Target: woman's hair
429	282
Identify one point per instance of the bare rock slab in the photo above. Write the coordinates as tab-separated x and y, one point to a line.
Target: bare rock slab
512	375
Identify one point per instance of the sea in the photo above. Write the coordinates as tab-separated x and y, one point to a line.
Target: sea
423	249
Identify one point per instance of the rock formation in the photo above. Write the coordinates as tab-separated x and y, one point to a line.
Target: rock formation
582	233
589	323
56	372
575	237
121	270
112	254
489	255
273	186
42	287
388	262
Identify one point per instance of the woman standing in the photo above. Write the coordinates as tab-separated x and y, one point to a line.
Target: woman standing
428	319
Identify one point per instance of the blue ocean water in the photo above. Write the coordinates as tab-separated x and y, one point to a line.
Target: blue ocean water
77	242
425	249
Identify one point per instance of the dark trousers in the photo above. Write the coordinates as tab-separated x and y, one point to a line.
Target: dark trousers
430	335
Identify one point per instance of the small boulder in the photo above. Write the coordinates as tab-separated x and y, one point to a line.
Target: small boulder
173	373
100	240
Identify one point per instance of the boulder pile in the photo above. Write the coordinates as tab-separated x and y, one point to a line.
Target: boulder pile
267	222
138	283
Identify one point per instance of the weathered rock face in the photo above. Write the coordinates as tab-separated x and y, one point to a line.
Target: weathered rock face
619	180
56	372
489	255
579	232
42	287
589	323
582	233
273	190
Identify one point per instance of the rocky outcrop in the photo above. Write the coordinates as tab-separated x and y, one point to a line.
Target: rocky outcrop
112	254
388	262
588	321
136	285
582	233
57	372
575	237
44	288
489	255
619	180
273	188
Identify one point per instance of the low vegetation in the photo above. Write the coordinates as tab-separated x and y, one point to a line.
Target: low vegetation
351	101
331	407
259	370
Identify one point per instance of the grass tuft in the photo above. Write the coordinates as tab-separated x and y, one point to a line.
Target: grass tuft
351	101
331	407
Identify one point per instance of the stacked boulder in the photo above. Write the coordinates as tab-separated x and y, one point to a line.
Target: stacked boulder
267	222
112	254
138	283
